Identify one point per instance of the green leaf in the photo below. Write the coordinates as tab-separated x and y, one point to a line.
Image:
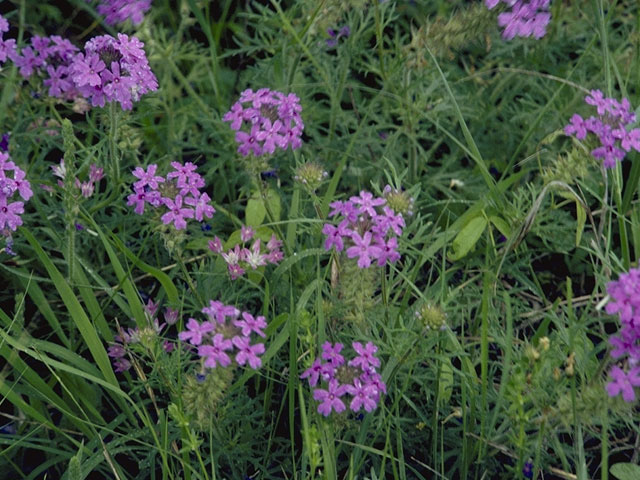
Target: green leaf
625	471
255	212
78	315
582	219
168	286
468	237
501	224
75	467
445	384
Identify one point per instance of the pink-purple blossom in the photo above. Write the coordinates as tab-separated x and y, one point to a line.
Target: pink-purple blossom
367	234
112	70
611	128
241	257
222	340
624	300
365	385
121	11
272	120
523	18
13	184
160	192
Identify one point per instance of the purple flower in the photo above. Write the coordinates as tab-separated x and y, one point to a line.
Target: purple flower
332	353
214	353
250	324
314	372
363	249
147	178
218	311
176	213
330	398
577	127
10	214
120	11
624	383
195	331
335	234
246	233
248	353
170	316
202	207
367	203
366	359
364	395
525	19
272	119
86	70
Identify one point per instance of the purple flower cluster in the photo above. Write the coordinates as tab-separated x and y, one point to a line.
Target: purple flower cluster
7	46
239	259
368	234
119	11
625	301
358	378
225	338
13	181
610	126
132	336
87	187
111	70
48	58
272	120
179	193
524	19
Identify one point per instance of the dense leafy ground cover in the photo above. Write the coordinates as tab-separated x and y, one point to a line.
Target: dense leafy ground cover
319	239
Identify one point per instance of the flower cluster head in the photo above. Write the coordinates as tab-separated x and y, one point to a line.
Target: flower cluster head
270	119
7	46
119	11
113	70
178	193
225	337
85	188
526	18
399	200
357	378
13	184
48	58
611	126
311	175
133	336
368	230
240	258
624	300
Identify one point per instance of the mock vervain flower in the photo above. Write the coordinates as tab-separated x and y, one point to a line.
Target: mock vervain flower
120	11
272	121
624	300
357	378
179	193
112	70
13	184
370	235
223	340
524	18
611	127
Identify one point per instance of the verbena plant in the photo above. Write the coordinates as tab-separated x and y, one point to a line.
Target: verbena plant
319	239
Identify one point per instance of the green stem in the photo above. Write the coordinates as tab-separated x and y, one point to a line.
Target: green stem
113	146
185	272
